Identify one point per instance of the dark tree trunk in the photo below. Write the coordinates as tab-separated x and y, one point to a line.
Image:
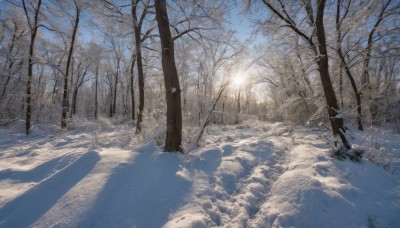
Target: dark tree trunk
79	83
74	99
323	67
238	106
133	87
341	85
126	109
65	101
137	29
114	103
33	29
96	102
171	80
111	105
223	111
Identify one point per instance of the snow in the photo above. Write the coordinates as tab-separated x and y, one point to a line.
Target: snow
251	175
339	116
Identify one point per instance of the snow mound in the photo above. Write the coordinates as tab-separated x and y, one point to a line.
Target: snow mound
317	191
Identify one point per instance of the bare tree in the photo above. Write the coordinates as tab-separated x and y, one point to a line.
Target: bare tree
343	62
65	100
334	110
12	63
172	88
81	73
320	51
96	99
380	18
33	27
96	53
139	39
132	85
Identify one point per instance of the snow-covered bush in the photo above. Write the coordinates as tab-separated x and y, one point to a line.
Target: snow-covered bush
83	124
377	152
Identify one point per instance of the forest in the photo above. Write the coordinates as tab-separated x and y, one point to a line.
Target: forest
211	79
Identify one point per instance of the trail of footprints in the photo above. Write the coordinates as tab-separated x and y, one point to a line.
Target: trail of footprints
252	186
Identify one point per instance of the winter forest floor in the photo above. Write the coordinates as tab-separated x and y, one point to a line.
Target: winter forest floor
256	174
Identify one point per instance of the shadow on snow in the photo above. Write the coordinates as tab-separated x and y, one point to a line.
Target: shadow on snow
141	193
30	206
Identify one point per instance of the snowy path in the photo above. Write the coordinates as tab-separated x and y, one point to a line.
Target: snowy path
230	193
271	175
250	175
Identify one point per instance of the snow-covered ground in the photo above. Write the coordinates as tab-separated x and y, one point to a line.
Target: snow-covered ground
250	175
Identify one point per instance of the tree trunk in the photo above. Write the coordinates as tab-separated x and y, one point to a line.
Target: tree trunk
223	111
114	103
111	108
34	29
96	102
341	85
74	99
171	80
323	67
65	101
137	30
126	100
132	87
238	106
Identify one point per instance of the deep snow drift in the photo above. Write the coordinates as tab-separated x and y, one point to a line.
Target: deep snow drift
250	175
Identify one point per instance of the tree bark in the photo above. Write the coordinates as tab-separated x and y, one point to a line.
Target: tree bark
79	83
341	85
96	102
323	67
74	99
223	111
33	30
114	103
137	30
171	80
132	87
65	101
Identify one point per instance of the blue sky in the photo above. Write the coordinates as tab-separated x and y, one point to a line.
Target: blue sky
239	22
242	25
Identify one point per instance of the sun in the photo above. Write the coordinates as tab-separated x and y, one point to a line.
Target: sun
238	80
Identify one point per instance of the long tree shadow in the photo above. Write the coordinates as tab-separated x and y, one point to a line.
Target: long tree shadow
30	206
140	193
